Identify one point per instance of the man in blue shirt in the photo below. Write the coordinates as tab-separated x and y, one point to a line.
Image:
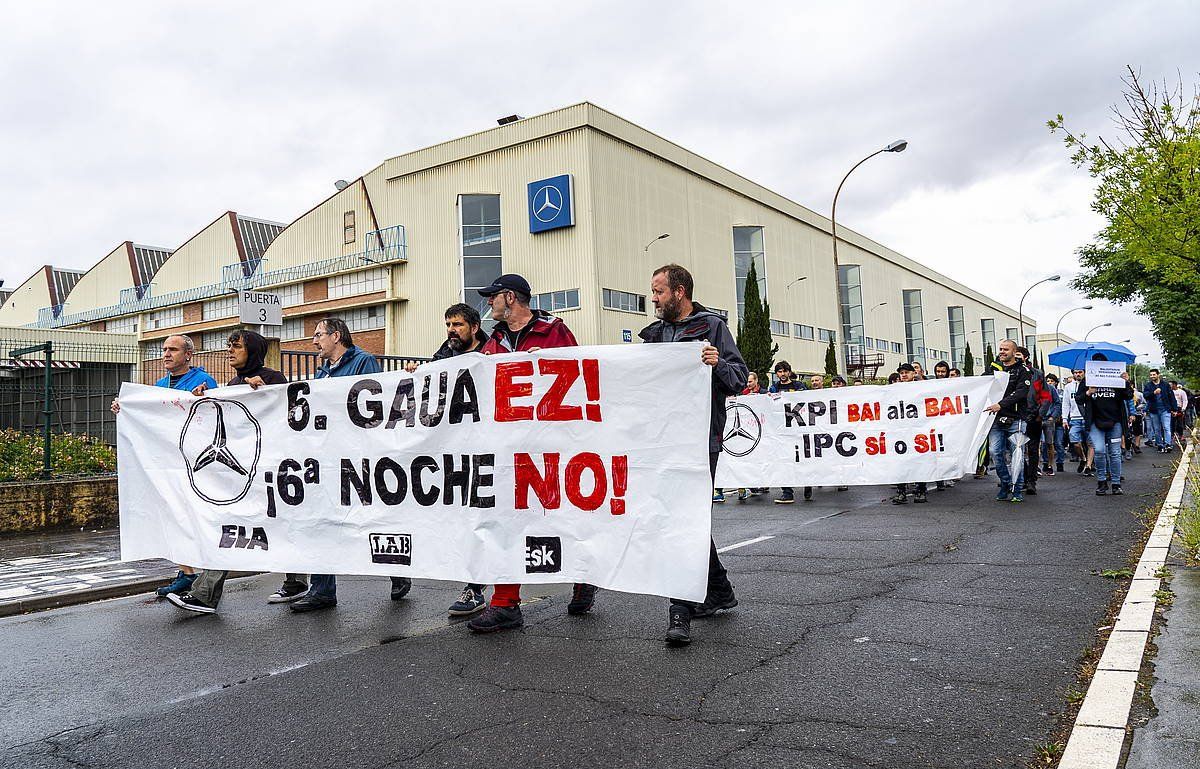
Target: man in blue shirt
335	347
177	352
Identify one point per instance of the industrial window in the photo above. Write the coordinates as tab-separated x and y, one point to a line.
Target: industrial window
868	342
1010	333
624	301
355	283
291	295
481	247
364	318
748	248
215	340
896	347
914	325
850	303
988	328
126	325
825	335
226	307
804	332
723	313
348	229
552	301
779	327
958	336
1031	344
172	316
293	328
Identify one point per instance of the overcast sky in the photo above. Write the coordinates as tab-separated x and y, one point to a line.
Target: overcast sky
146	120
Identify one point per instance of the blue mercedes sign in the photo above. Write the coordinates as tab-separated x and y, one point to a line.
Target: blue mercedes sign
550	204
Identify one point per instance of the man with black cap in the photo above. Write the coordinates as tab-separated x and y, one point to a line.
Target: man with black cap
521	329
683	320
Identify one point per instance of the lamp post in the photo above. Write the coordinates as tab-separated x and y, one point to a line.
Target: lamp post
655	240
1058	325
1089	333
794	282
1021	306
897	146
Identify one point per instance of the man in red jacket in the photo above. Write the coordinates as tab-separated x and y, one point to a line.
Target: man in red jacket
521	329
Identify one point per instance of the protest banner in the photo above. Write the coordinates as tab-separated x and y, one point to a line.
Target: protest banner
582	464
864	435
1104	373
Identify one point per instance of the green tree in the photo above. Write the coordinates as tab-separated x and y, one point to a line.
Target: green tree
831	358
1148	191
754	330
988	357
968	367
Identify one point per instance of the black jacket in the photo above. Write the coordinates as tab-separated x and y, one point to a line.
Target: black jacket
1107	405
1015	403
256	352
728	376
445	351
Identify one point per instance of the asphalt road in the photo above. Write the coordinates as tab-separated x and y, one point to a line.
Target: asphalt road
868	635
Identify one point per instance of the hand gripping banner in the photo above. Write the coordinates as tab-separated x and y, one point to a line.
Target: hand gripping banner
865	435
584	464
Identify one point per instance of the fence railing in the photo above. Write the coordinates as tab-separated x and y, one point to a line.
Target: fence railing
301	364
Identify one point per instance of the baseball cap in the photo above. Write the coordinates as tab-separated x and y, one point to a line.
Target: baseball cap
507	282
906	367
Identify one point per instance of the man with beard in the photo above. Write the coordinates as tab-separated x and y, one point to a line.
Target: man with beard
1007	437
907	372
682	320
247	352
942	371
463	335
521	329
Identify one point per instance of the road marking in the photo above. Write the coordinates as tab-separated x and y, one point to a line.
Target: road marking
735	546
88	564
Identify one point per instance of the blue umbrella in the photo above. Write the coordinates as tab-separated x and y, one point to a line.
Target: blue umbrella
1077	354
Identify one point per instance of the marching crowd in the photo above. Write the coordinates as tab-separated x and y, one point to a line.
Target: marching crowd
1100	425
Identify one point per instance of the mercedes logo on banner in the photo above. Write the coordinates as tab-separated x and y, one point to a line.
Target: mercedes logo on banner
221	442
742	430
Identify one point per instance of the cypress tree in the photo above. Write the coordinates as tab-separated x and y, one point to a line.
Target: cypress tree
988	358
754	330
968	367
831	366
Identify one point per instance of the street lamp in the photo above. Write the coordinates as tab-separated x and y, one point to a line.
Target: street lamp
897	146
1058	325
652	242
1089	333
1021	306
794	282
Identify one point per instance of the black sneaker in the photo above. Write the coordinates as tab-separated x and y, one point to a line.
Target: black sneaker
1059	467
1101	488
189	602
920	497
786	498
714	604
470	602
1116	489
313	602
900	499
679	629
400	587
496	618
1031	489
287	594
1089	472
1082	466
582	598
808	493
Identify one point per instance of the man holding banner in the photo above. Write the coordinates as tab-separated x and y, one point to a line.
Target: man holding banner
682	320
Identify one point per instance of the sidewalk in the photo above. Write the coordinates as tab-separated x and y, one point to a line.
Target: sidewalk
41	571
1172	738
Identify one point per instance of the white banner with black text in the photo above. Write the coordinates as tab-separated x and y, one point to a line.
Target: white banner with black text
582	464
855	436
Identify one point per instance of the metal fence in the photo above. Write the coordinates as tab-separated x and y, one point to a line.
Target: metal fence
302	364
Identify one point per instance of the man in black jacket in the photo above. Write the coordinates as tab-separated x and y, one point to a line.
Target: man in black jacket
682	320
1007	438
247	355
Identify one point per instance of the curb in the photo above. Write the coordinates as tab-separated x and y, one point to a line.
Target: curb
75	597
1098	737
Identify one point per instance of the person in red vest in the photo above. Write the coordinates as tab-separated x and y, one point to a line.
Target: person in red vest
521	329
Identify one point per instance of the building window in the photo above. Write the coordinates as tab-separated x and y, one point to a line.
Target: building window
723	313
868	342
292	295
624	301
225	307
958	336
172	316
825	335
914	326
356	283
747	249
1010	333
126	325
803	332
348	229
779	327
1031	344
987	327
364	318
480	242
553	301
850	303
293	328
896	347
215	340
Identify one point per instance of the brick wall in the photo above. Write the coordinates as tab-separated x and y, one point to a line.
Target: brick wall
193	313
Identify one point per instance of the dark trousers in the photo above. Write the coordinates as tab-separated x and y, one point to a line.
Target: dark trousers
718	579
1033	452
325	585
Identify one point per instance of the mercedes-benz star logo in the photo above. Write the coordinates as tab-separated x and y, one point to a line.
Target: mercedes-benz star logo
221	442
742	430
547	203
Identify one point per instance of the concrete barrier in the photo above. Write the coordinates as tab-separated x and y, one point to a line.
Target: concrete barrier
89	502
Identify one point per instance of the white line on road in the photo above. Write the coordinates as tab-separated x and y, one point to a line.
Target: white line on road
84	564
736	545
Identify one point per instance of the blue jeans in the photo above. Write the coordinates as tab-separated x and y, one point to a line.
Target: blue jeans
1158	429
1002	451
1108	453
324	585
